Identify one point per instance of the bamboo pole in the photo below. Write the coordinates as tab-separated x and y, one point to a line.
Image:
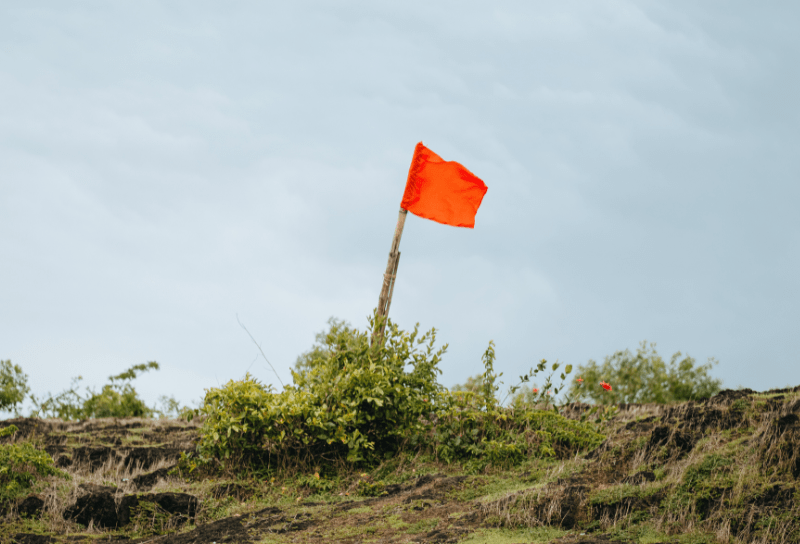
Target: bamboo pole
385	299
391	287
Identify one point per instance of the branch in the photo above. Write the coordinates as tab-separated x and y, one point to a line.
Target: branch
259	349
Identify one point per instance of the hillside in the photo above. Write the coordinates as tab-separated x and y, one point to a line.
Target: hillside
722	470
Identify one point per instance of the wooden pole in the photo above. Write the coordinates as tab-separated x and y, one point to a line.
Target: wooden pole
391	287
385	300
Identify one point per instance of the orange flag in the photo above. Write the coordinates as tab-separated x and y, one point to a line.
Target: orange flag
441	190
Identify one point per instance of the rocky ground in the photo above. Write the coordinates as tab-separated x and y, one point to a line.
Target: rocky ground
724	470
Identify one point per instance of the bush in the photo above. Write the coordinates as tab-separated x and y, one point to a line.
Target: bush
505	436
474	384
645	377
351	399
20	466
364	403
13	386
118	398
323	340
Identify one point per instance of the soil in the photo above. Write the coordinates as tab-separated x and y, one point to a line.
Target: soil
125	485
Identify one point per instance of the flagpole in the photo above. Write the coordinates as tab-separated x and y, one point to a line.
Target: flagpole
387	289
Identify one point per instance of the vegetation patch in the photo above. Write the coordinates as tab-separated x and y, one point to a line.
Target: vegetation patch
22	465
367	446
534	535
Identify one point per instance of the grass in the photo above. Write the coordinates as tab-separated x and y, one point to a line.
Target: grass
396	522
617	493
422	526
270	539
535	535
536	473
646	533
362	510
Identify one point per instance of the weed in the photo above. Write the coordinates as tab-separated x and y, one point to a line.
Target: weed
149	518
315	483
534	535
617	493
395	522
422	526
21	465
371	489
360	510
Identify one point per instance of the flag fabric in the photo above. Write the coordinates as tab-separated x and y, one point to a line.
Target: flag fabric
440	190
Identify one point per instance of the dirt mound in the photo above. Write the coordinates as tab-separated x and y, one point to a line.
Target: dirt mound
146	481
30	507
726	396
98	505
105	508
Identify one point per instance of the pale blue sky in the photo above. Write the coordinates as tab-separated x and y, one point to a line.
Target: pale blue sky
165	166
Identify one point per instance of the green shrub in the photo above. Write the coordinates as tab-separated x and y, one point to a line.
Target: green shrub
13	386
149	519
506	436
118	398
323	341
351	400
645	377
367	488
363	403
474	384
315	483
21	464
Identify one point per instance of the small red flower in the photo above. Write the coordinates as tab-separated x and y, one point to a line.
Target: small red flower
535	390
606	386
579	380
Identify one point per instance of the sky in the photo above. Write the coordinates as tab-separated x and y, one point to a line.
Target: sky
167	168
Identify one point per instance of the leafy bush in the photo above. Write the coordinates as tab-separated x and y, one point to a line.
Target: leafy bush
323	341
646	377
20	466
353	400
315	483
473	426
367	488
13	386
505	436
118	398
473	384
364	403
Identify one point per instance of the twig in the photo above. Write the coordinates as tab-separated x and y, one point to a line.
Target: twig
259	349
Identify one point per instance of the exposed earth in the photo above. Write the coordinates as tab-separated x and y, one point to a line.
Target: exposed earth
722	470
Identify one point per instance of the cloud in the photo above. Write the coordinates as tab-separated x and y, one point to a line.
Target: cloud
166	167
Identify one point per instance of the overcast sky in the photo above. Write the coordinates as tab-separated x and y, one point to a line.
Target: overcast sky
165	166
